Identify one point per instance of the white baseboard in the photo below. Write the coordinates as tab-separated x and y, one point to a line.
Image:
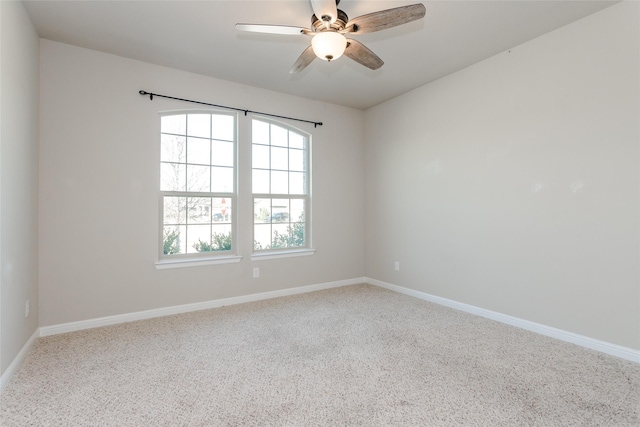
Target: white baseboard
591	343
166	311
581	340
6	376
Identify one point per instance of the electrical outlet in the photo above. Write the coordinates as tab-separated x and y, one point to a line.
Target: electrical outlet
396	266
26	309
256	272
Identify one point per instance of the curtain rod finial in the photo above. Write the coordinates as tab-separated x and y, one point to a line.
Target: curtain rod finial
143	92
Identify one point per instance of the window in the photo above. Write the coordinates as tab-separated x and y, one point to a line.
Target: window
197	184
199	175
280	182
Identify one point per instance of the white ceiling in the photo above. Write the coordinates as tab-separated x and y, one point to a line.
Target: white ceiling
200	37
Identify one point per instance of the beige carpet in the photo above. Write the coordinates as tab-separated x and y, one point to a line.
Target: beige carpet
357	355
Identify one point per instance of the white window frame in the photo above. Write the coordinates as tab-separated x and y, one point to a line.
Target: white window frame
271	253
201	258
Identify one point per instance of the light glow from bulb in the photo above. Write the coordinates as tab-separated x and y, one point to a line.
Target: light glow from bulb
329	45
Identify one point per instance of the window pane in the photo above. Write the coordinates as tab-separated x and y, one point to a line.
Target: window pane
260	157
279	234
221	209
199	125
222	180
261	210
279	136
297	236
280	210
173	148
279	182
279	158
198	238
297	210
199	151
296	160
296	140
222	153
260	132
175	210
221	238
176	124
296	183
222	127
260	181
199	210
198	178
172	177
173	240
288	235
262	236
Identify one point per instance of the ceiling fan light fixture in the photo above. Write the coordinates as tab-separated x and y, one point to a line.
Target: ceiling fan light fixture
329	45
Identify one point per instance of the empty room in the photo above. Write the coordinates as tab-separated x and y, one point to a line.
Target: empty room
319	212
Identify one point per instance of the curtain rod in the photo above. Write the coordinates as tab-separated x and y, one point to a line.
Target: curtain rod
151	95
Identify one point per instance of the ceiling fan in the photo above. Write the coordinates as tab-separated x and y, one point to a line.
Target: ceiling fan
330	26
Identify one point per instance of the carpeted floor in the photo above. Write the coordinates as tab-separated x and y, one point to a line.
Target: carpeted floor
357	355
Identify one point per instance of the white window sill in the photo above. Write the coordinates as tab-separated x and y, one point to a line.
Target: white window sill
260	256
198	262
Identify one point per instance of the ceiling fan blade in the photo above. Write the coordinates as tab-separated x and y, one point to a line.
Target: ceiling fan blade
384	19
303	60
273	29
325	8
362	55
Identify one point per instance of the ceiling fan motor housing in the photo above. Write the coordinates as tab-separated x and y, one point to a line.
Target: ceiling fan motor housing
339	25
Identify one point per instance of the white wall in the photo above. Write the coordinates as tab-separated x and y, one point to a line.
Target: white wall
99	177
18	180
513	185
